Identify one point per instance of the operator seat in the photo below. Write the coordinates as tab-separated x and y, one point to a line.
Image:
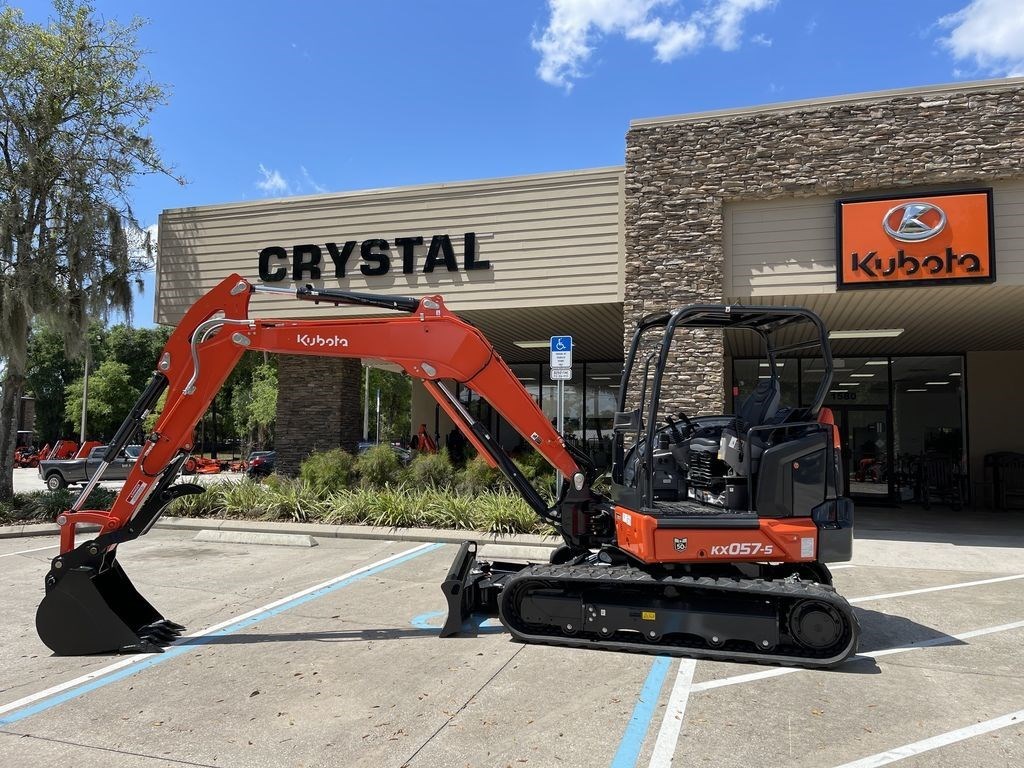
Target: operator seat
756	411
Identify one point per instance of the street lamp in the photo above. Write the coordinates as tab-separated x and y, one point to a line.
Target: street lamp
85	387
85	393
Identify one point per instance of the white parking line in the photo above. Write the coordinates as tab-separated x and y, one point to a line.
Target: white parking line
751	677
942	740
943	588
26	551
93	679
668	734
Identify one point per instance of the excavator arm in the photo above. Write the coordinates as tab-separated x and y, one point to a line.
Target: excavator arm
91	605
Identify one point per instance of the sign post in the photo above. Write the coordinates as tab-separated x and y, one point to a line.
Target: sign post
560	370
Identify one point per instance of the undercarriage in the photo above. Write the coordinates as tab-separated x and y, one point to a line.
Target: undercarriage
768	614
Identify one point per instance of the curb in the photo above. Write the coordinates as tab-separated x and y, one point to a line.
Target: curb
320	530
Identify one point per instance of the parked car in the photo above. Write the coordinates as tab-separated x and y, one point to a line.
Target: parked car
261	463
60	473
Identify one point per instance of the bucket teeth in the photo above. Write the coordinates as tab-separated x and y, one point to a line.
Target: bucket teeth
158	633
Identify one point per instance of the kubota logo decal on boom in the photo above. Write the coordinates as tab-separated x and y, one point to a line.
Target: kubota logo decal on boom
321	341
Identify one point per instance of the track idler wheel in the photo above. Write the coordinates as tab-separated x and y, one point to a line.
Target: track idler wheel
91	609
815	625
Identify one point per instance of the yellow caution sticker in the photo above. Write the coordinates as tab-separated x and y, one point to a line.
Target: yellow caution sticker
648	616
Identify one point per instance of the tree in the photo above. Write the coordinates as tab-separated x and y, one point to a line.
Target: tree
395	404
111	390
48	374
75	102
138	348
261	407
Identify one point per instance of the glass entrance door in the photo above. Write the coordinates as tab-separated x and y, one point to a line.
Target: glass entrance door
867	451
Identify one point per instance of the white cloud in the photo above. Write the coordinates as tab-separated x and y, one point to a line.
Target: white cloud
272	182
309	182
991	32
727	18
762	39
575	27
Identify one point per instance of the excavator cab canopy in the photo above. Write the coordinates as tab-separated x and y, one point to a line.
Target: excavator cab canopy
780	330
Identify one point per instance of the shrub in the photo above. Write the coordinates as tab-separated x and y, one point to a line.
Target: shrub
536	469
449	509
495	512
479	477
432	470
379	467
505	512
326	471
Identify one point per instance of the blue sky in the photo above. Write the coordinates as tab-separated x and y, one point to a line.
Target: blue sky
269	99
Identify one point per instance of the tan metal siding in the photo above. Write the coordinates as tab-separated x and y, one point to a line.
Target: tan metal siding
779	246
552	240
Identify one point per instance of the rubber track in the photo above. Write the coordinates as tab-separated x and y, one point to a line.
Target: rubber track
616	576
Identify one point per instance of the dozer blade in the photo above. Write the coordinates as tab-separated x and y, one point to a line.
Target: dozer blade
90	610
457	588
472	587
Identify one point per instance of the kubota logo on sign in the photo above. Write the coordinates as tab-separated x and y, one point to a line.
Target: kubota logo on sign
925	239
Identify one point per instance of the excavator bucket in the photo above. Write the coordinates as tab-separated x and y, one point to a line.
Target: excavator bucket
98	610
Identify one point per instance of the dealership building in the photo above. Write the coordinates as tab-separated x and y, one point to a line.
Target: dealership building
897	216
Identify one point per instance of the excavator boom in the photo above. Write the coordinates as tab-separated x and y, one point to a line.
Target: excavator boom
430	343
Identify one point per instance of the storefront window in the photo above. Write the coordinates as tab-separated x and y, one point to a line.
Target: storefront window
855	381
591	397
573	401
602	393
928	406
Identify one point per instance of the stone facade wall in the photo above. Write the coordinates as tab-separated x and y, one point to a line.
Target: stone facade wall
317	408
679	174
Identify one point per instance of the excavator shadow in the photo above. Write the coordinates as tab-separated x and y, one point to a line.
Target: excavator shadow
882	631
328	636
421	627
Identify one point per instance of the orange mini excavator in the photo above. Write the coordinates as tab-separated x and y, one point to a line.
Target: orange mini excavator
713	542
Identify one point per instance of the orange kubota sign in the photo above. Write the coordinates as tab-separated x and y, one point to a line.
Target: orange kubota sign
939	238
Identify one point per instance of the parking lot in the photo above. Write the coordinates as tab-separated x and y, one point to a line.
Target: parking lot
329	656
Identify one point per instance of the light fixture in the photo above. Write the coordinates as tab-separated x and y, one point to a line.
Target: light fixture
545	344
935	383
917	390
877	362
600	378
838	391
527	378
876	333
863	375
956	374
778	363
847	383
